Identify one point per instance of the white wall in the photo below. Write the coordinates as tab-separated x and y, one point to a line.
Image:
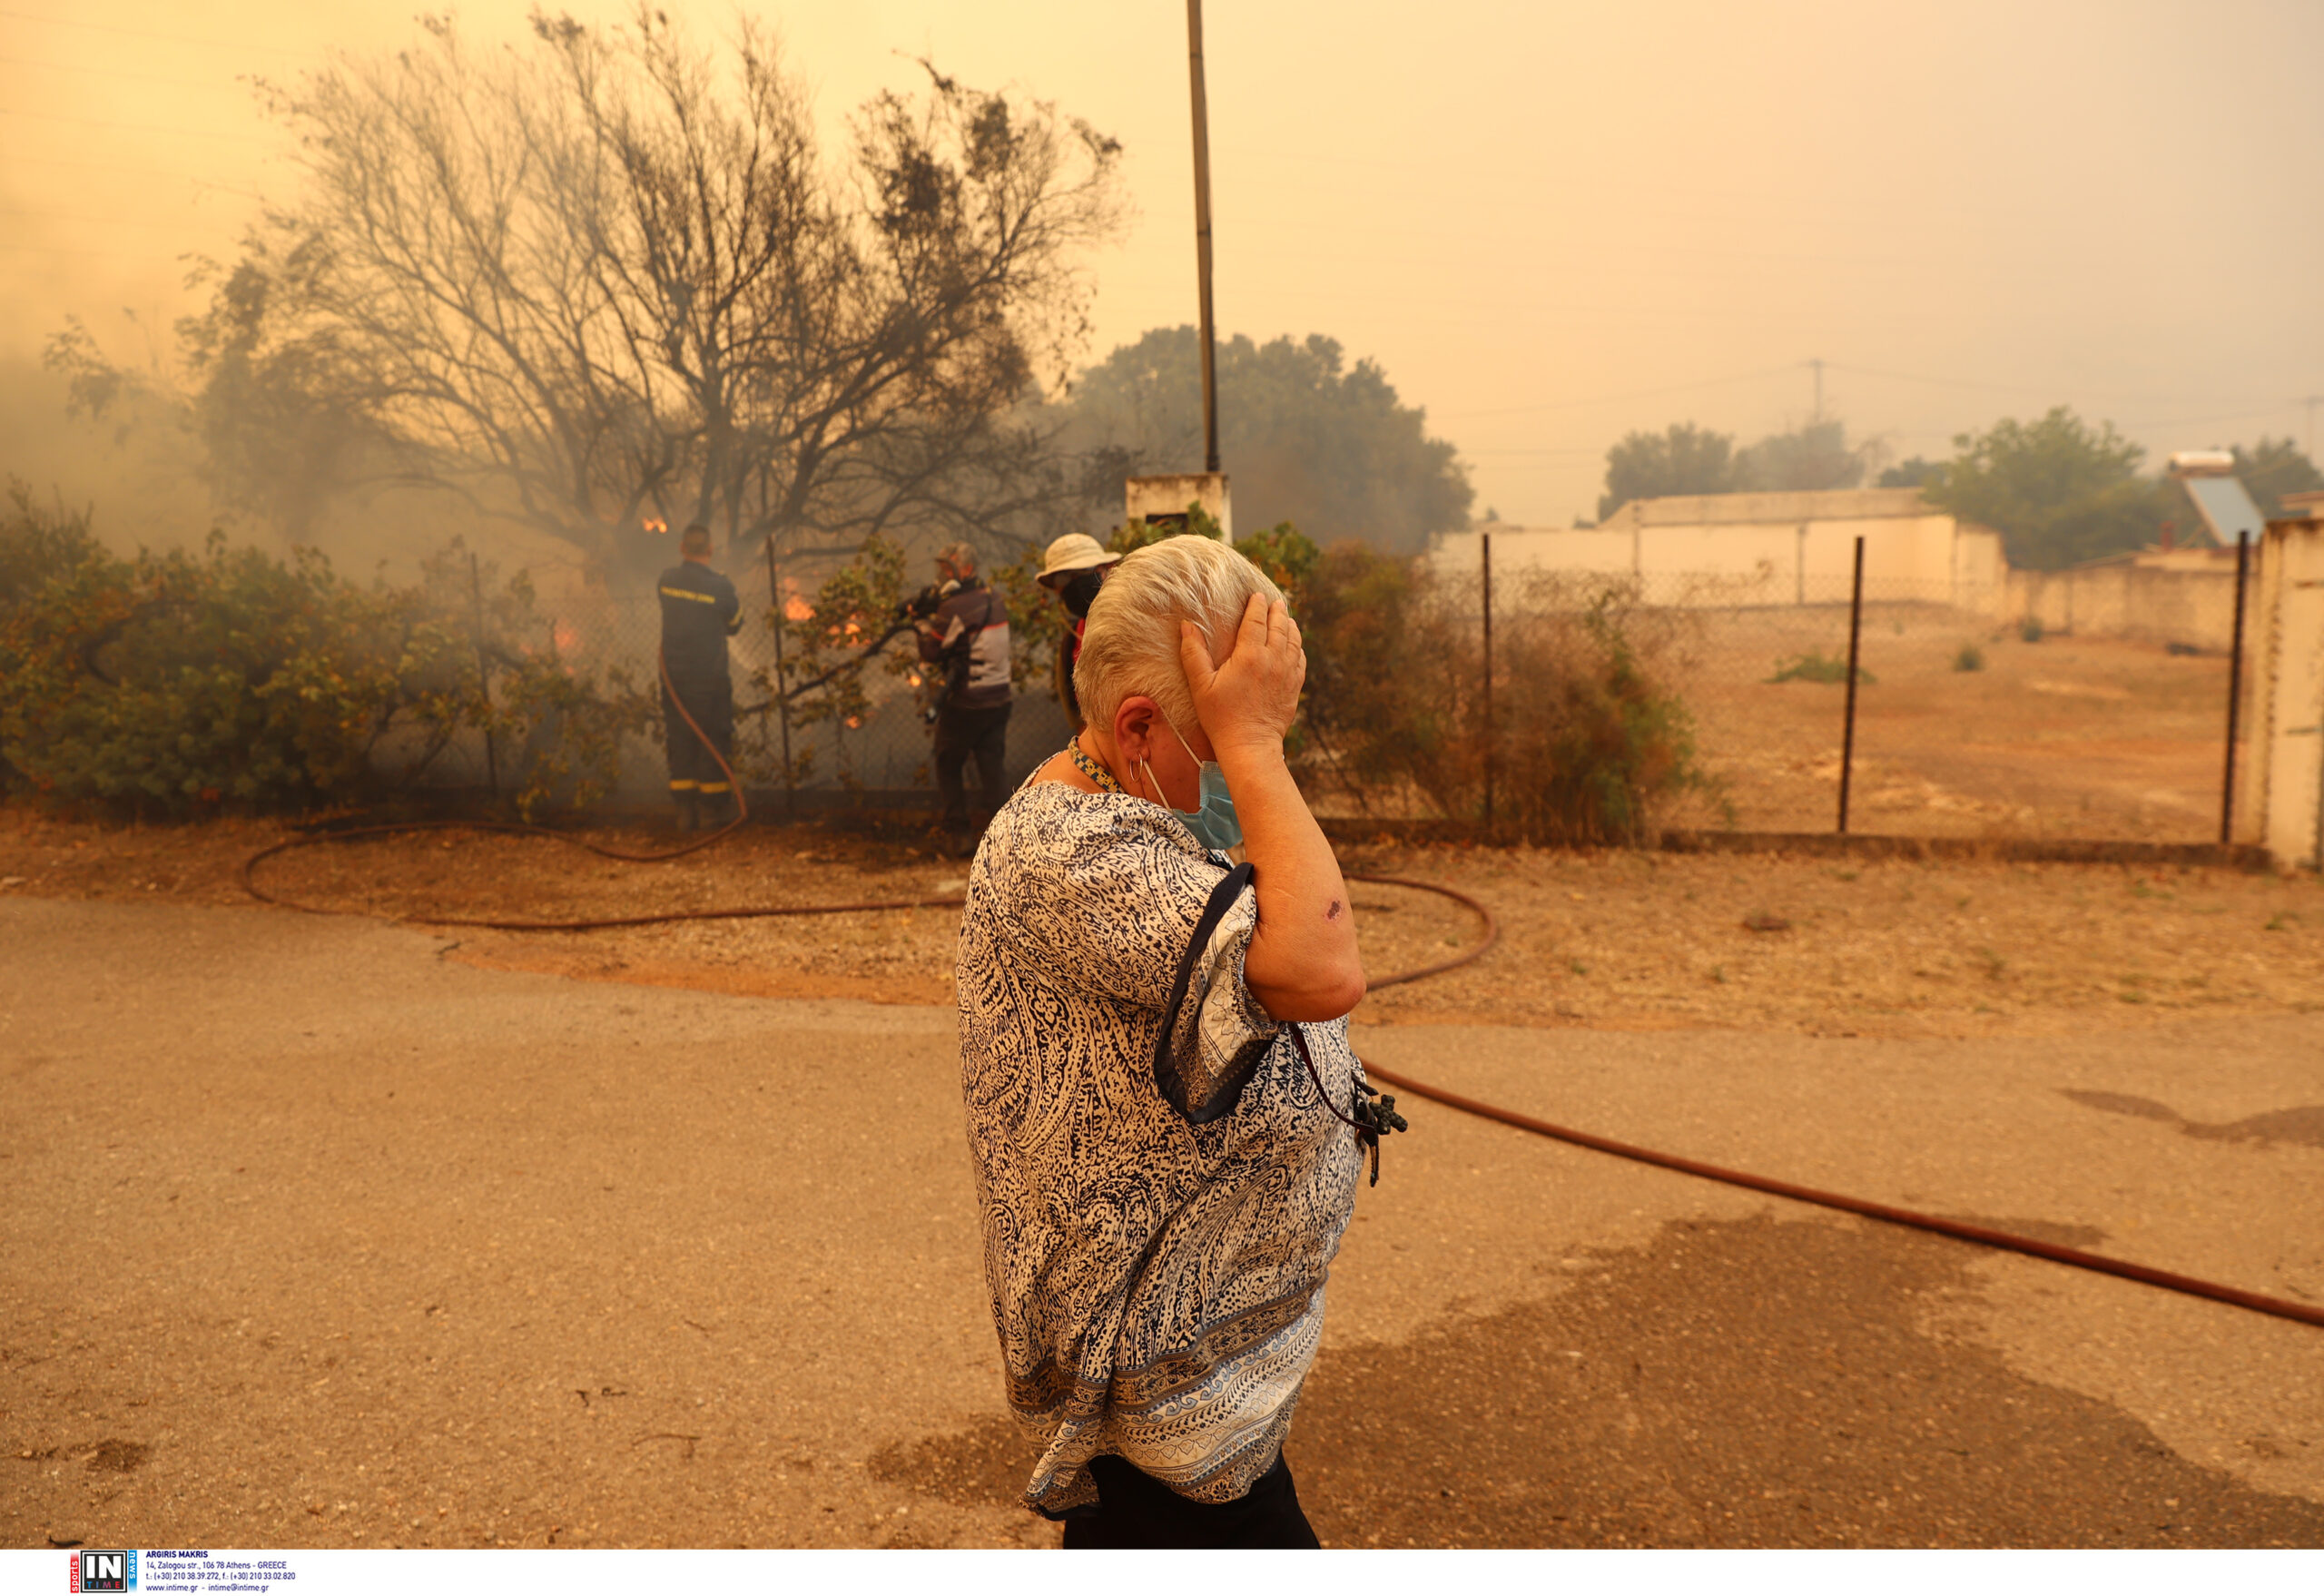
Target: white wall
1929	558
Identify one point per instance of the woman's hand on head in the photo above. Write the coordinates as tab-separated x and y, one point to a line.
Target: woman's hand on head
1249	701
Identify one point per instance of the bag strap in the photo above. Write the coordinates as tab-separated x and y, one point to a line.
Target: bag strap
1222	898
1375	1111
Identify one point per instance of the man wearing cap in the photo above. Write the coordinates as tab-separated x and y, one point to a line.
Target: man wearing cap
1074	569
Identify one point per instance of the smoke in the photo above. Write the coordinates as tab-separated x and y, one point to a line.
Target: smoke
141	471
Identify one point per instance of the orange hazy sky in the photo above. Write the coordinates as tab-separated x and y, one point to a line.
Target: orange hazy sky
1550	223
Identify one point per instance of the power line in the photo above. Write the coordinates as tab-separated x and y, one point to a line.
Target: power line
2202	420
93	221
127	77
15	158
107	255
1591	452
66	21
2048	390
184	132
1610	399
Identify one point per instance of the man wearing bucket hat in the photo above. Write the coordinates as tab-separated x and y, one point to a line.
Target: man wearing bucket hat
1074	568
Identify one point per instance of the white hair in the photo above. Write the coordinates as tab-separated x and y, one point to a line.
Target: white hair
1130	642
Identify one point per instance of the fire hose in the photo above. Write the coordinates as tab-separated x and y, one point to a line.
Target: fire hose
1982	1235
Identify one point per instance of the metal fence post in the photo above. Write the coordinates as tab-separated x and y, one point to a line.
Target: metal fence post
782	693
2234	694
484	678
1856	633
1484	542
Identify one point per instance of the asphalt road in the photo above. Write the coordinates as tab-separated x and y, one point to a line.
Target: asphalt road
316	1237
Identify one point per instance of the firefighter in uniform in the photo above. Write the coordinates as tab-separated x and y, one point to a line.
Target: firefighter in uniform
699	612
968	640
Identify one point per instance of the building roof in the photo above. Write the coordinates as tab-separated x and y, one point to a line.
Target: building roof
1712	509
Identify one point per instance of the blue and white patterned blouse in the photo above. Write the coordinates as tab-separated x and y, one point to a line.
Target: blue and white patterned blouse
1157	1283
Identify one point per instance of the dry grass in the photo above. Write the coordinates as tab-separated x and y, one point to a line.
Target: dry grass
1637	940
1609	940
2069	737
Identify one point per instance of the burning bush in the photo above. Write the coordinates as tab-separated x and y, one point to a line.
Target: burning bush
175	682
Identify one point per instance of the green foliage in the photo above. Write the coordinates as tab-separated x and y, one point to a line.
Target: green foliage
36	545
1916	472
1682	459
1591	740
190	680
849	614
1037	617
1812	667
1136	535
2272	468
2058	490
1313	439
1284	553
1970	657
1813	456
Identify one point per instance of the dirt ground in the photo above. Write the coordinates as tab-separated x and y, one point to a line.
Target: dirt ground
2064	737
1607	940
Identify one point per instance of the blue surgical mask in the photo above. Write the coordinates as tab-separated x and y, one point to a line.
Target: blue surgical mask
1213	820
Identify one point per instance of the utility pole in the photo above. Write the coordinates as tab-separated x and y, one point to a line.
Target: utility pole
1485	546
1202	238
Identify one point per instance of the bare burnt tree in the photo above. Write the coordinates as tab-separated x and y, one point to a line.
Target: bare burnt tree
609	279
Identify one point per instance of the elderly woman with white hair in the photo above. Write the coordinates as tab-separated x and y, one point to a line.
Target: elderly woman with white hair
1167	1121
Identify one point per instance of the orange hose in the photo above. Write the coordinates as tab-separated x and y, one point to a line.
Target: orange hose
2075	1257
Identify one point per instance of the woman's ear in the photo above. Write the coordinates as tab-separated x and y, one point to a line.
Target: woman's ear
1134	728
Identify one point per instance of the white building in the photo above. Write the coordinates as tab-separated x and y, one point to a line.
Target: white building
1760	550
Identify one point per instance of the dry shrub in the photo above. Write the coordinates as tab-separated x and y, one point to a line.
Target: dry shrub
1591	742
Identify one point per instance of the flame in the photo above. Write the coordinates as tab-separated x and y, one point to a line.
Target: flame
567	636
912	677
655	524
796	608
853	722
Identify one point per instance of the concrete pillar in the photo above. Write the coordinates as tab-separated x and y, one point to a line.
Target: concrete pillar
2286	637
1166	500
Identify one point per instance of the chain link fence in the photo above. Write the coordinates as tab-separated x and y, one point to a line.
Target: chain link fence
1966	723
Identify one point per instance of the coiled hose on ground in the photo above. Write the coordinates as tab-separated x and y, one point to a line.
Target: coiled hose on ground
2120	1270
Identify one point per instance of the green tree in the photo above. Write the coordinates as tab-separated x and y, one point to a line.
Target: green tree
1812	457
2058	490
1682	459
2272	468
1305	437
1916	472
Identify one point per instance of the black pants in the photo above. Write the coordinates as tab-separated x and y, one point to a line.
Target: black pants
710	699
961	734
1136	1509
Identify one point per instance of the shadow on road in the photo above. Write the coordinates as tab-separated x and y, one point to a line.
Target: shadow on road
1763	1382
